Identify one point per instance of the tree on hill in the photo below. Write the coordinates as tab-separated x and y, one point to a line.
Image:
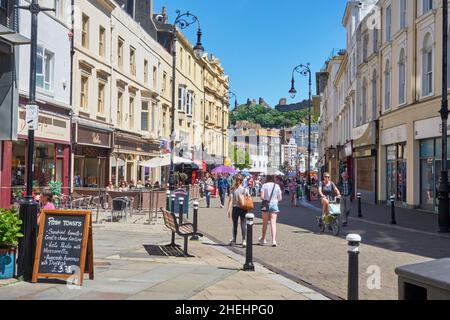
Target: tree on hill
270	118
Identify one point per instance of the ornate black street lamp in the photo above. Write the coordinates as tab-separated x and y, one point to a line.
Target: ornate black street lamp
182	21
235	100
444	221
29	207
305	70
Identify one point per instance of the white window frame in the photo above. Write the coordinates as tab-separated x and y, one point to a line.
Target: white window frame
403	13
145	110
427	6
427	62
387	85
48	62
402	78
388	23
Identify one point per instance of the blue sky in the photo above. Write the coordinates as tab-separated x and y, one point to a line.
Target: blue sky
259	42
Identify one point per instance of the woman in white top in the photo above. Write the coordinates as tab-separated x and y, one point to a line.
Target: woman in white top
271	195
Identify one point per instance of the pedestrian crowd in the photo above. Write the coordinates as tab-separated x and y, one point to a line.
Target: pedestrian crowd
271	190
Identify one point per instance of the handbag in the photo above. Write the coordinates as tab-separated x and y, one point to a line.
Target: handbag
334	209
265	203
245	202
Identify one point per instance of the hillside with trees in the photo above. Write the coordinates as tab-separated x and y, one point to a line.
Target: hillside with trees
270	118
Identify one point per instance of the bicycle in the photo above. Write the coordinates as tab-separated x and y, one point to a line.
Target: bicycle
332	222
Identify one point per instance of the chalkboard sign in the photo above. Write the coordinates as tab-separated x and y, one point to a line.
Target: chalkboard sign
64	245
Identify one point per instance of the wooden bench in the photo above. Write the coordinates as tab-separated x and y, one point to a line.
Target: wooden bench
184	230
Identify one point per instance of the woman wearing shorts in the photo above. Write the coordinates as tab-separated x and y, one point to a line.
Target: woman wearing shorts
270	193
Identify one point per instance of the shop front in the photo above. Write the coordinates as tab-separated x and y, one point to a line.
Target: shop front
51	155
394	142
428	134
365	161
129	151
91	154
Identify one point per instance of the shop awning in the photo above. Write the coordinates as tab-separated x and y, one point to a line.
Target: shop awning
163	161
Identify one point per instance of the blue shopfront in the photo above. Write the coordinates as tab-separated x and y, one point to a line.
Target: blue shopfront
427	132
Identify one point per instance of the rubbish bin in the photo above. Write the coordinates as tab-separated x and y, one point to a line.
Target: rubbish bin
424	281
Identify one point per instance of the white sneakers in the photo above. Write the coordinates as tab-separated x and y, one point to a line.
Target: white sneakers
244	244
262	242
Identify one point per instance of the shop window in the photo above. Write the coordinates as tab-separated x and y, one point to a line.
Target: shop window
427	148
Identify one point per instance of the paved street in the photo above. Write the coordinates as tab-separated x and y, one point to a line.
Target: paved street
126	267
321	259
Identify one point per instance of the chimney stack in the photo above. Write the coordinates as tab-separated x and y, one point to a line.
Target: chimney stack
283	102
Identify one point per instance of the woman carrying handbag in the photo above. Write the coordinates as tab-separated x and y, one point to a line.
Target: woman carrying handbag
239	204
271	195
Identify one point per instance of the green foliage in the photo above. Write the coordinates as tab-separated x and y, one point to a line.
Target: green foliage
55	187
10	226
239	155
271	118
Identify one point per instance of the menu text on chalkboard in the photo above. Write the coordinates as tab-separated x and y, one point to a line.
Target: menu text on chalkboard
64	241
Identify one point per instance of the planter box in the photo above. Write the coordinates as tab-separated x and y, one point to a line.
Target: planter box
7	263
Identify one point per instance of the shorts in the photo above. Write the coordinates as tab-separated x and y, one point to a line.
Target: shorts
273	208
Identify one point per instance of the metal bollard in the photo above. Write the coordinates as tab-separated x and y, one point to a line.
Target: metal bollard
248	266
393	221
168	200
180	215
195	222
172	209
358	196
354	241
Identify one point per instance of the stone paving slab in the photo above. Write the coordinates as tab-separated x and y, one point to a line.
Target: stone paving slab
124	270
306	255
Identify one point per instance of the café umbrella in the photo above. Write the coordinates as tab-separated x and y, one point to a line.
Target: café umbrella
223	170
163	161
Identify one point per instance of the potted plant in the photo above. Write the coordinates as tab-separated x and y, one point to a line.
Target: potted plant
10	226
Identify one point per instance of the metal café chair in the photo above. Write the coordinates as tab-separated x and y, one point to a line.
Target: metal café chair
119	205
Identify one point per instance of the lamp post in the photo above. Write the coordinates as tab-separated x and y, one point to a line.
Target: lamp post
235	100
29	207
182	21
444	221
305	70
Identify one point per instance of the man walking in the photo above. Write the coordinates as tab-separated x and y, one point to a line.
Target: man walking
345	187
223	186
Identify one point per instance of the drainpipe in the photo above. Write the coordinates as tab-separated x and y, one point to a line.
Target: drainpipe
72	54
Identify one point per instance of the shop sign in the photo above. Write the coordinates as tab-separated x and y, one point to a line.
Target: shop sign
429	128
362	153
394	135
93	138
48	127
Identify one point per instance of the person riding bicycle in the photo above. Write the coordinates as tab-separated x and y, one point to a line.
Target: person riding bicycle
327	190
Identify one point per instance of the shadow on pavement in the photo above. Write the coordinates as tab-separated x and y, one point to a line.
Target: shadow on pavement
382	236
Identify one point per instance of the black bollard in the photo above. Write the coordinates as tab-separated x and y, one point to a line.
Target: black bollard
27	244
168	200
393	221
172	208
248	266
180	215
195	222
353	266
359	205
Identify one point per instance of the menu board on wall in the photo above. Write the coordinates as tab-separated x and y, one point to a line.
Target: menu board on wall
64	245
